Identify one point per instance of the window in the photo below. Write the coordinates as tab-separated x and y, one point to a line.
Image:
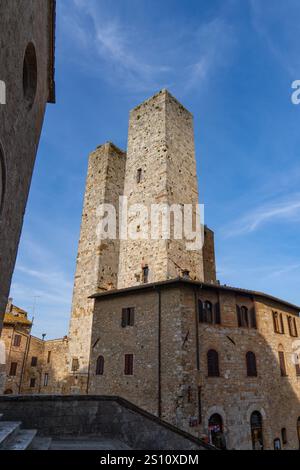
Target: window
278	323
13	369
242	316
216	432
209	313
297	367
17	341
75	364
34	361
213	363
128	364
49	357
127	317
100	366
145	274
251	364
32	383
284	436
256	424
292	327
46	379
30	75
282	361
139	175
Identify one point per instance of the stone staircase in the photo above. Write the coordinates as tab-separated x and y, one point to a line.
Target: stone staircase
13	437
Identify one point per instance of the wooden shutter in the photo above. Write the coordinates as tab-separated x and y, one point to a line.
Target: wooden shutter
282	363
213	363
217	314
238	313
128	364
13	369
200	311
124	317
131	316
281	324
253	318
275	322
295	327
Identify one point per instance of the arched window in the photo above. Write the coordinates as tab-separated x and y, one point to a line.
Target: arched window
282	361
30	74
251	364
8	392
284	436
100	366
256	424
209	313
216	432
213	363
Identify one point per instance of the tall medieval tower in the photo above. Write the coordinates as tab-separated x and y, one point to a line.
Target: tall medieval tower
159	169
97	260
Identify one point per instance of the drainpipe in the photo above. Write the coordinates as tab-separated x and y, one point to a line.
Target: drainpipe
28	340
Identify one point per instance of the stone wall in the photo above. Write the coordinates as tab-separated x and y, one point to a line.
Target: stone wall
209	258
109	417
21	118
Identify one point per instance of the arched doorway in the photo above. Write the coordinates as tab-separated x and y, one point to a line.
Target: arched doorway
216	431
8	392
256	423
298	430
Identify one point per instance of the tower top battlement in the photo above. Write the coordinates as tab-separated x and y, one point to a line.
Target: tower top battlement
164	93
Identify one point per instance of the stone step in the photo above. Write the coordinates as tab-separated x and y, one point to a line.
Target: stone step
41	443
22	440
8	430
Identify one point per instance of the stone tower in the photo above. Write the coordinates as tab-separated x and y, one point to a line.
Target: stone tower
160	169
97	260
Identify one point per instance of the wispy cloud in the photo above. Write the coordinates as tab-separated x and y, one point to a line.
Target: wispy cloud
129	57
286	210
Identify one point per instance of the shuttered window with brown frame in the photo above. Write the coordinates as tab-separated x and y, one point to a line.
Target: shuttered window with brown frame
13	369
100	366
128	370
213	363
251	364
282	363
128	317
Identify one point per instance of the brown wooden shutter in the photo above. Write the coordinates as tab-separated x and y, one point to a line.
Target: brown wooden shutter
217	314
238	313
253	318
282	363
295	327
281	324
131	316
128	364
124	317
275	321
200	311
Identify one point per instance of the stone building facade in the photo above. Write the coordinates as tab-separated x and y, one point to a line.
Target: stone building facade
33	365
27	71
202	356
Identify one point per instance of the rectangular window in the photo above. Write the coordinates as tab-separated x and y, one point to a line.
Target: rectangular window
282	364
127	317
46	380
32	383
145	274
34	361
278	323
75	364
128	364
297	366
292	327
49	357
17	341
13	369
139	175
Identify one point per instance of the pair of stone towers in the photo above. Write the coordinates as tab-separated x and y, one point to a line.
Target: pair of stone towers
159	168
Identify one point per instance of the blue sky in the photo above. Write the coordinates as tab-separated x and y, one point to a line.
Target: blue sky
230	62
